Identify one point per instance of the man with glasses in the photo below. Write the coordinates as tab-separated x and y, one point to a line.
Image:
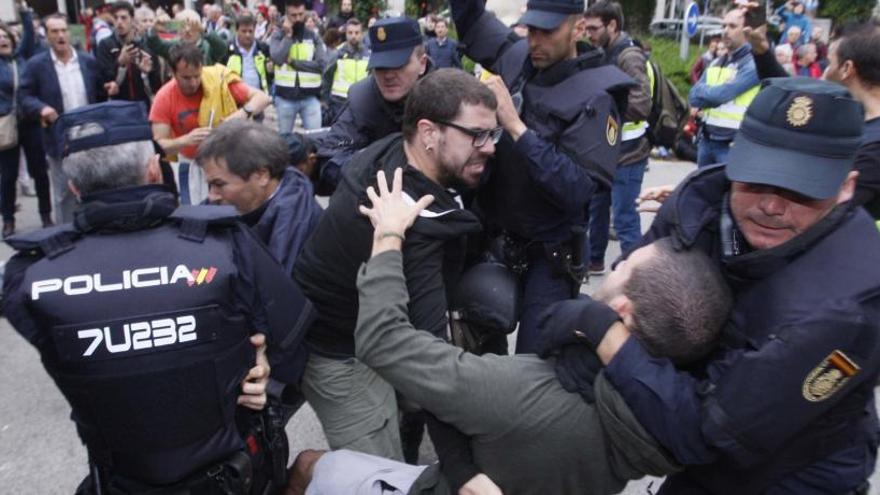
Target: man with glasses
449	133
560	107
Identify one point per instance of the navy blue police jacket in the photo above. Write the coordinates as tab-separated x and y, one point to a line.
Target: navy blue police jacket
142	314
539	186
786	403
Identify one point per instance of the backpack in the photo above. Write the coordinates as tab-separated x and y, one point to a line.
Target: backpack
669	111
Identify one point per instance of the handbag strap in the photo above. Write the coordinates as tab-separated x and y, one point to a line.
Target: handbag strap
14	84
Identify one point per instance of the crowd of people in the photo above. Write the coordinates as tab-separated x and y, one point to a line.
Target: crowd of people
191	293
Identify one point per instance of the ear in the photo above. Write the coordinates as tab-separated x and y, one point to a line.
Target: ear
848	71
580	28
623	306
423	61
154	171
847	190
263	176
73	188
427	132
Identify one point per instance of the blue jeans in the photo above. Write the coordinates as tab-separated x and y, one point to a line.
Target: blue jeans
308	108
711	152
621	200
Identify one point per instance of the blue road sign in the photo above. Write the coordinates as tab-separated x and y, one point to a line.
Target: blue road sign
691	17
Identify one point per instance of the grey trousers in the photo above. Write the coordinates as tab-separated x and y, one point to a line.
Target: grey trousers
357	408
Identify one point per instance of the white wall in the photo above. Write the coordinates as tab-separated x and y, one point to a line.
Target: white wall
506	10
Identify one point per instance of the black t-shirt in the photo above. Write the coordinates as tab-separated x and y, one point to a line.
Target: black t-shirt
867	162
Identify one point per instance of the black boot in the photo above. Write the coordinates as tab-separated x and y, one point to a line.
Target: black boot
47	219
8	228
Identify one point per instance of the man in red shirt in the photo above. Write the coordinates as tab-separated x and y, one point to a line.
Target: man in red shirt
190	105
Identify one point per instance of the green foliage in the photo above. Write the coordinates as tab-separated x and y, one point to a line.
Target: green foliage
841	11
664	52
363	9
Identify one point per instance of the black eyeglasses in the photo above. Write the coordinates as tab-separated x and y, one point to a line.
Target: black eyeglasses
480	137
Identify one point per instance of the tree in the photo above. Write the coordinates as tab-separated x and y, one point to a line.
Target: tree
637	14
841	11
363	9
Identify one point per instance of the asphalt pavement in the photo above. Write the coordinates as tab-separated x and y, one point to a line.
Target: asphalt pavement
40	452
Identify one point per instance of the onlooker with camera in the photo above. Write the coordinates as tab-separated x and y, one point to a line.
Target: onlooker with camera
127	67
793	13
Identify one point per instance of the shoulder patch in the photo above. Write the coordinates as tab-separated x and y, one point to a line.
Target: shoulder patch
829	376
612	131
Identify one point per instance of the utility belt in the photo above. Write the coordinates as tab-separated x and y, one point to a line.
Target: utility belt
261	469
566	257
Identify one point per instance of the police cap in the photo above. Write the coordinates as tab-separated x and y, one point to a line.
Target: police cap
549	14
799	134
392	41
102	124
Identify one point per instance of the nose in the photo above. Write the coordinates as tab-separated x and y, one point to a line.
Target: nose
488	148
772	204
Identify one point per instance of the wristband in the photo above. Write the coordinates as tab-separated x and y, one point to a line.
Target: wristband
384	235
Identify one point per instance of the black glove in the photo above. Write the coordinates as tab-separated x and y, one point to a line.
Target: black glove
576	370
582	321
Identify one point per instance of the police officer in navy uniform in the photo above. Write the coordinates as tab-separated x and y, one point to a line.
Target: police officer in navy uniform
375	104
143	313
786	405
561	109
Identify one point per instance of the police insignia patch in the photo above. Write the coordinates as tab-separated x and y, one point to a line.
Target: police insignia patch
831	374
800	112
380	34
612	131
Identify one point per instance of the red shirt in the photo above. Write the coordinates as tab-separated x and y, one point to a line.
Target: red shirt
181	112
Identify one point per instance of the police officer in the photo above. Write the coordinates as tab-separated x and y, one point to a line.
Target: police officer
298	54
142	313
248	57
724	92
560	108
347	67
375	104
786	405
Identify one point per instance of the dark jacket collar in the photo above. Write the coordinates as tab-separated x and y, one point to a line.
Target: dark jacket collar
123	209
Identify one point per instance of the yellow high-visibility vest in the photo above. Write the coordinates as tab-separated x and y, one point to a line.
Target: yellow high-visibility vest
730	114
348	72
235	65
287	77
635	130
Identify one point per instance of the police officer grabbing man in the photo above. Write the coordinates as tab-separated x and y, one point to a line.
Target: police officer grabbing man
787	403
560	109
143	314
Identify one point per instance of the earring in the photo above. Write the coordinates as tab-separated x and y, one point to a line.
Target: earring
428	148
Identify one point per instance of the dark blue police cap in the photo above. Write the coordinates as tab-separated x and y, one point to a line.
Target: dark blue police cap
798	134
392	41
102	124
549	14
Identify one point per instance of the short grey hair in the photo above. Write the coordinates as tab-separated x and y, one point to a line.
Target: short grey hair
109	167
246	147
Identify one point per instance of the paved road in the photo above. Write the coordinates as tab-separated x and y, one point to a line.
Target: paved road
39	450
